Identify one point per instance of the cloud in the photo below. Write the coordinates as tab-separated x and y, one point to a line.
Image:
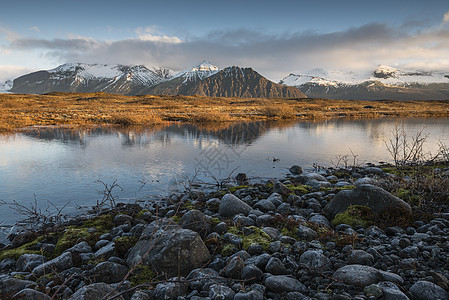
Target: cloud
35	28
274	56
9	72
446	18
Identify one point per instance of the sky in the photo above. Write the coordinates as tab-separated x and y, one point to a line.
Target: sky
275	38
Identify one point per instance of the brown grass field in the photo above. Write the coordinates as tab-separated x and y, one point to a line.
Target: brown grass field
87	109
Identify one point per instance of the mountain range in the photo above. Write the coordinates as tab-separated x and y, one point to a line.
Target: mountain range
382	83
204	79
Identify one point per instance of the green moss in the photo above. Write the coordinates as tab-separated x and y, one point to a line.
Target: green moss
228	250
103	223
346	187
24	249
299	189
407	195
232	189
176	219
355	215
141	274
341	174
71	236
122	244
215	221
289	232
269	185
140	214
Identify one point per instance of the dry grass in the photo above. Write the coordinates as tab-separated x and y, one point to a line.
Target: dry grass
86	109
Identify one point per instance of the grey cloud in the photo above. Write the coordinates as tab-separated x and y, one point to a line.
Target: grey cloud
272	55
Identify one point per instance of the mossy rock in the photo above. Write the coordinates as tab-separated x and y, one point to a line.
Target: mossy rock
228	249
123	244
233	189
103	223
258	237
71	236
299	189
355	215
27	248
140	214
346	187
141	274
407	195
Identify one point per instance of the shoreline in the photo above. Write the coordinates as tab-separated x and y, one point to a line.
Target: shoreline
93	109
269	239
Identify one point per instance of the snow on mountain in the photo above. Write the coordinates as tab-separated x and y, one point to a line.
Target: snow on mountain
5	86
383	74
199	72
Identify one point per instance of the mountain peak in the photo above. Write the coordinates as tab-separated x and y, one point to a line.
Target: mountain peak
198	72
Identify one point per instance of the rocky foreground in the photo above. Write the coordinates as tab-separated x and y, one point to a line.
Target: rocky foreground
327	235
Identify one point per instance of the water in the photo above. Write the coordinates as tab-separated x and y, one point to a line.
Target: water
60	167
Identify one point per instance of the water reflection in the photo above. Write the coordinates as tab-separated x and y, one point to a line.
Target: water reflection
62	165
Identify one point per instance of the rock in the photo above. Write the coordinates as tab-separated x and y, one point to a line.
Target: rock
27	262
365	180
230	206
241	178
315	176
7	264
306	233
234	268
379	200
360	257
94	291
392	277
284	284
251	295
373	170
425	290
265	205
171	289
357	275
373	290
142	295
10	286
275	267
391	291
276	199
260	261
82	247
315	260
221	292
195	220
198	278
168	248
320	220
251	274
106	251
58	264
281	189
295	170
30	294
122	219
109	272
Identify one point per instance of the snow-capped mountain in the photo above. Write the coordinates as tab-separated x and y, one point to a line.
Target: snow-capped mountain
78	77
199	72
383	83
5	86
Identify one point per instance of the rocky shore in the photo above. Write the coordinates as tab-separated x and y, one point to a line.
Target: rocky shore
330	234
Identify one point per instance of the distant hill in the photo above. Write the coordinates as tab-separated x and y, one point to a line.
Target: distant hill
204	79
382	83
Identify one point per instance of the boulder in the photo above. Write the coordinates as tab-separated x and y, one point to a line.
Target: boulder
230	206
167	248
357	275
58	264
9	286
195	220
109	272
171	289
376	198
30	294
94	292
315	260
282	283
27	262
295	170
425	290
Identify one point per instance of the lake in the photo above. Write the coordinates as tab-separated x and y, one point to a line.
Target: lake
63	167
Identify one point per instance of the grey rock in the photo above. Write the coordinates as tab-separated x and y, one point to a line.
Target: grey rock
234	267
10	286
100	244
274	246
357	275
373	170
273	233
265	205
259	261
275	198
230	206
320	220
392	277
306	233
7	264
122	219
82	247
391	291
251	274
275	267
27	262
94	291
141	295
251	295
373	290
170	249
221	292
171	289
372	196
365	180
198	278
232	239
106	251
282	284
195	220
295	170
221	228
360	257
58	264
242	221
315	260
425	290
109	272
315	176
296	296
281	189
264	220
30	294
